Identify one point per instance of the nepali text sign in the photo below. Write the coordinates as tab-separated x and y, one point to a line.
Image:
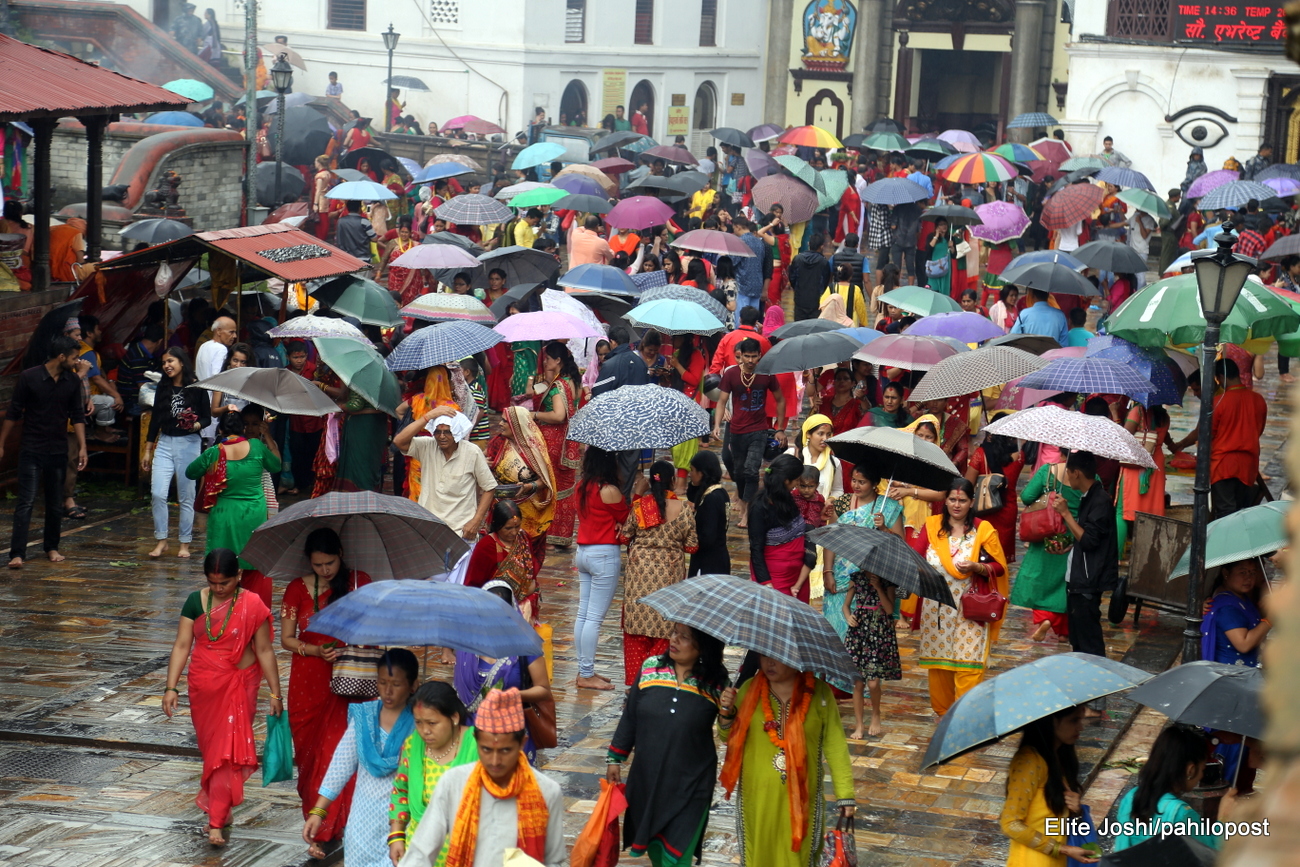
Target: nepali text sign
613	90
679	120
1250	24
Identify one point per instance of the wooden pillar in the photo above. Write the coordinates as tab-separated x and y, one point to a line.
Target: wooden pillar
44	129
95	127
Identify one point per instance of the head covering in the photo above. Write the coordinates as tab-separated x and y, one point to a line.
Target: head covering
72	324
529	444
833	309
826	468
813	422
928	417
460	425
497	582
773	319
501	713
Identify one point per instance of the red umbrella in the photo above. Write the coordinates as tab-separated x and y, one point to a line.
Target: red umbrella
1072	204
1044	170
798	199
1053	150
613	165
673	154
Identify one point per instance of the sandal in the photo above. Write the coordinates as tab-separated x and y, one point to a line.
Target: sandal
76	513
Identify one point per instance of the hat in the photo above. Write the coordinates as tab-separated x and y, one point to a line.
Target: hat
73	324
501	713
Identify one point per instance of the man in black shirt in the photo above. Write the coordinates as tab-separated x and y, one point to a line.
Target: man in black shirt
46	399
1094	562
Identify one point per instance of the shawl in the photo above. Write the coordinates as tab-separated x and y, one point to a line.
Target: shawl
413	749
833	309
1210	628
530	807
825	464
364	718
773	319
795	748
986	542
646	511
528	442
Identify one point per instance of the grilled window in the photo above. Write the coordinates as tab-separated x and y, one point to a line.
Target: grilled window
575	21
346	15
708	22
644	34
444	11
1140	19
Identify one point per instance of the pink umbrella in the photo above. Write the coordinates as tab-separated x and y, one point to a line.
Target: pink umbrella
964	141
474	124
673	154
613	165
1016	397
1064	352
1283	186
713	241
1002	222
639	212
906	351
1211	181
1053	150
546	325
798	199
436	256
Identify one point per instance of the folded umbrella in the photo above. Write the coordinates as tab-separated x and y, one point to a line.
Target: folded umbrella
362	191
1000	222
1111	256
385	537
1090	376
1209	695
887	557
920	300
448	307
361	369
809	352
1161	851
1066	429
1071	205
312	326
799	200
956	215
670	316
963	326
734	137
156	231
895	454
639	212
1169	311
713	241
436	256
802	327
685	293
583	203
473	209
1050	277
538	154
1211	181
639	417
894	191
969	372
907	352
276	388
544	325
1254	532
362	299
599	278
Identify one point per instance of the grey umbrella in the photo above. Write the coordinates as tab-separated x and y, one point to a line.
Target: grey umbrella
886	556
1209	694
809	352
956	215
516	295
1111	256
521	264
1034	344
802	327
731	136
1050	277
291	184
584	202
410	82
157	231
276	388
639	417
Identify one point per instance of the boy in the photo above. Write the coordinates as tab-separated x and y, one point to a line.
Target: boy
811	503
1079	335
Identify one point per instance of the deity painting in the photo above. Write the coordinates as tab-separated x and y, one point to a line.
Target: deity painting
828	27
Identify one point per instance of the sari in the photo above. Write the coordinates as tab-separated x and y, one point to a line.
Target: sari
565	455
474	677
493	560
409	283
502	360
526	456
438	391
362	446
223	700
526	358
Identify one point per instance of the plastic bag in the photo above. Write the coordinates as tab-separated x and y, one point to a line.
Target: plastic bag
277	752
1084	835
598	845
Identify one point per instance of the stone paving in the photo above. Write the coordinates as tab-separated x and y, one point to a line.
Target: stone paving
92	773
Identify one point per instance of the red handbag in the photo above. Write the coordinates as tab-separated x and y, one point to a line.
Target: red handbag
981	602
1037	524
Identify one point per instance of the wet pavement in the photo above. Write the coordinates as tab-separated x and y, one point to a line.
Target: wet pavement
92	773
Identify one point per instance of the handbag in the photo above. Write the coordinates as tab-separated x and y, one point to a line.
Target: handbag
937	267
839	849
990	494
598	844
981	602
1082	833
214	482
1040	520
539	716
355	673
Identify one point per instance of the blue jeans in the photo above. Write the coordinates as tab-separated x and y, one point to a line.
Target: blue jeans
743	301
598	568
170	458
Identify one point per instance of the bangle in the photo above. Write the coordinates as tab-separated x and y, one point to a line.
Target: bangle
318	811
276	697
396	837
171	689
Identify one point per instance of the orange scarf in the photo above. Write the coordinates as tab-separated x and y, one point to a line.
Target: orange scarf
530	808
796	751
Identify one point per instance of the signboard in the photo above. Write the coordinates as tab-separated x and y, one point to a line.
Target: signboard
679	99
1261	24
679	120
613	90
738	99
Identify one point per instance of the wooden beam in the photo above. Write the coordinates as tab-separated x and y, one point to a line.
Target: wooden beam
44	129
95	127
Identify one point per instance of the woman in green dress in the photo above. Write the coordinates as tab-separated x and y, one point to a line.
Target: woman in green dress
241	507
938	248
363	444
1040	583
780	727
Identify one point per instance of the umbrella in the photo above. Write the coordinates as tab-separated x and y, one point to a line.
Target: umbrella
669	316
968	372
760	164
599	278
956	215
1153	364
351	175
1172	851
362	369
685	293
1145	200
886	141
1092	162
613	165
1034	344
960	139
765	131
276	388
929	148
1281	186
1208	694
1013	699
1050	277
673	154
1053	150
538	197
362	299
1014	397
1014	152
1050	257
1071	205
545	325
809	352
1073	430
1001	221
259	96
591	173
615	140
473	209
1169	311
312	326
505	194
515	296
474	124
1212	181
364	191
385	537
1233	195
1254	532
452	239
895	454
447	307
307	135
521	264
920	300
410	82
799	200
713	241
276	50
732	136
174	118
639	212
809	137
424	613
862	335
887	557
1032	120
1111	256
746	614
292	100
1278	170
442	343
580	185
894	191
436	256
803	326
639	417
980	168
438	171
1287	245
156	231
836	182
194	91
583	203
1090	376
1123	177
963	326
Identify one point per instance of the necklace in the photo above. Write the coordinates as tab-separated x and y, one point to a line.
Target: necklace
776	729
207	621
748	380
451	750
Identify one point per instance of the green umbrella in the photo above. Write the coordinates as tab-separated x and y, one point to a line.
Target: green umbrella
836	182
538	196
1252	532
930	148
920	300
1145	200
803	171
886	141
1075	163
364	300
195	91
1169	311
362	369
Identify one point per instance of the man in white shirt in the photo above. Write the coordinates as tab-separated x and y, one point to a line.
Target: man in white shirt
514	806
1141	226
211	357
456	483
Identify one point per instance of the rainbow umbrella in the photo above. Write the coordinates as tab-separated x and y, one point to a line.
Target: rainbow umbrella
1017	153
980	168
810	137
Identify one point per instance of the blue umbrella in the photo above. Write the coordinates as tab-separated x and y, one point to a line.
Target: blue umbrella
1052	257
579	185
364	191
536	154
442	343
1090	376
949	160
600	278
864	335
1031	120
671	316
194	91
438	171
424	613
1154	364
1122	177
174	118
1015	698
894	191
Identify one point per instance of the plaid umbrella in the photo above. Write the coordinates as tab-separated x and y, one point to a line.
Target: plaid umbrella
1032	120
968	372
472	209
1234	194
1090	376
1278	170
684	293
364	300
963	326
312	326
385	537
1211	181
980	168
799	200
668	316
1111	256
907	352
436	256
1000	222
1071	205
639	212
446	307
894	191
1073	430
713	241
887	557
919	300
521	264
545	325
802	327
746	614
1122	177
1154	364
895	454
639	417
362	369
809	352
276	388
441	343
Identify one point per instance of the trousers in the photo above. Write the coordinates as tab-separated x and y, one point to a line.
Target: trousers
948	686
598	570
35	469
170	458
1084	612
747	458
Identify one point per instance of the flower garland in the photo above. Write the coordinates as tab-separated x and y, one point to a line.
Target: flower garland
776	730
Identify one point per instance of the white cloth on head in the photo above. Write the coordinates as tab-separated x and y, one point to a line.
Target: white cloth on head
459	423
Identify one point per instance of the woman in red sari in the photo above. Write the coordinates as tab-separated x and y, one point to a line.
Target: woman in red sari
228	632
841	405
505	555
557	390
317	717
409	283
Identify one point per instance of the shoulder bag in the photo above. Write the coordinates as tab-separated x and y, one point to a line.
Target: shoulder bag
1040	520
355	673
539	717
981	602
937	267
990	494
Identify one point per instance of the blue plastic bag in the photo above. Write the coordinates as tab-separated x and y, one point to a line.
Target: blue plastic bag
1083	824
277	752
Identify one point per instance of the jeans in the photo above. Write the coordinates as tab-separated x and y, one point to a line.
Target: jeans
747	456
743	301
170	458
104	413
598	567
38	469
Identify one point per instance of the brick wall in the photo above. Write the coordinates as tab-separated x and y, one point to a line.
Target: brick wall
68	161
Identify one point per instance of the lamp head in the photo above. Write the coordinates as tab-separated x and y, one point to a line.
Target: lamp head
281	75
390	37
1220	274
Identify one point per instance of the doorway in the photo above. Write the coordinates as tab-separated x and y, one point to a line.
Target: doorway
958	90
704	118
573	105
643	94
825	110
161	13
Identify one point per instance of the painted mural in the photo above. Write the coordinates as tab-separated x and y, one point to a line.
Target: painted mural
828	27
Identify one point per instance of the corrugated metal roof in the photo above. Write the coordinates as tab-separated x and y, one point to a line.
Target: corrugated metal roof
309	258
44	83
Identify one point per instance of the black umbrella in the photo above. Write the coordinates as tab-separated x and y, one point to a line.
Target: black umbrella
615	140
452	238
1209	694
732	136
1163	852
1035	344
956	215
1050	277
50	327
584	202
521	264
886	556
804	326
895	454
156	231
375	156
856	140
885	124
291	184
1111	256
809	352
516	296
306	135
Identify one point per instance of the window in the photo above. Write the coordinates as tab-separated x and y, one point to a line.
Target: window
346	15
708	22
1140	19
444	11
644	34
575	21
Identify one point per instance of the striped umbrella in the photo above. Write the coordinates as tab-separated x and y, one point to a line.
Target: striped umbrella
969	372
1071	205
639	417
1122	177
809	137
442	343
448	307
1211	181
472	209
980	168
1016	152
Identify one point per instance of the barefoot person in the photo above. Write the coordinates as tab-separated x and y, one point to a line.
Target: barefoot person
47	398
172	444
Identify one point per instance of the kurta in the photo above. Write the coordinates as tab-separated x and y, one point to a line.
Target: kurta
363	440
366	833
412	789
712	557
1040	583
1025	813
763	807
241	507
656	559
949	641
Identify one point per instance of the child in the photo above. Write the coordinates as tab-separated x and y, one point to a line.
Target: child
482	431
811	503
1079	335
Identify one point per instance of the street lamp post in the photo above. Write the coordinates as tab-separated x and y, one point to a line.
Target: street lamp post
390	42
1220	274
282	81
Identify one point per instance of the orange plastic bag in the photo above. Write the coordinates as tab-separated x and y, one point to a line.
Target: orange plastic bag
599	845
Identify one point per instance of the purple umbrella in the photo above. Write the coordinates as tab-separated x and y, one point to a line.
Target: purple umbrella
579	185
1283	186
798	199
546	325
761	164
436	256
1211	181
765	132
639	212
1002	222
966	327
906	351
